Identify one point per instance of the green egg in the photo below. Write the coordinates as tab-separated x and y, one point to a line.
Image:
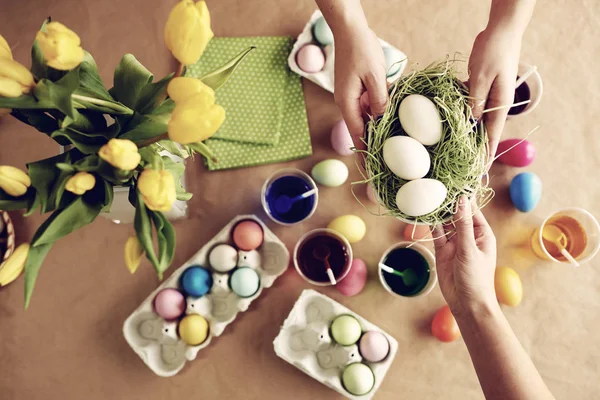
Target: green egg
346	330
322	32
358	379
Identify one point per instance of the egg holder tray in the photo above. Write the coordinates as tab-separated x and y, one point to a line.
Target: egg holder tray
305	342
156	341
324	78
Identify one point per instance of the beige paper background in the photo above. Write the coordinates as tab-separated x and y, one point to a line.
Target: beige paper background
68	345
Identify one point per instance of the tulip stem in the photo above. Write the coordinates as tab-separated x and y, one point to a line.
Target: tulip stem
179	70
152	140
116	107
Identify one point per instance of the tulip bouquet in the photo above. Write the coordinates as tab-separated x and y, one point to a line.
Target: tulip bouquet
115	137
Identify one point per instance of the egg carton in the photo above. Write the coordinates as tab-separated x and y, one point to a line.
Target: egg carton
324	78
156	340
305	342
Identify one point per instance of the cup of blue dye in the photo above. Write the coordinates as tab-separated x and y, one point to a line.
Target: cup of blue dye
289	196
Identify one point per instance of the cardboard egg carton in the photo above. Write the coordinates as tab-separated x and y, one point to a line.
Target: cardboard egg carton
305	342
324	78
156	340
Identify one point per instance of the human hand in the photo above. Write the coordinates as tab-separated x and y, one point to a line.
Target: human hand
359	68
493	69
466	261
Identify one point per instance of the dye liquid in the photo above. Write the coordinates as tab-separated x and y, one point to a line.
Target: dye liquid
522	93
290	186
576	238
403	259
312	263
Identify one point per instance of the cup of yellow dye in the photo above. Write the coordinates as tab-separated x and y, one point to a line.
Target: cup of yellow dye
414	272
572	229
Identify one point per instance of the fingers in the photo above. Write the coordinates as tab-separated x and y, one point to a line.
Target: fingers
347	98
501	95
485	235
463	221
376	85
439	237
479	87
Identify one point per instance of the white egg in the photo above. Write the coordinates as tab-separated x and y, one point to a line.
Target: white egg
223	258
420	119
406	157
420	197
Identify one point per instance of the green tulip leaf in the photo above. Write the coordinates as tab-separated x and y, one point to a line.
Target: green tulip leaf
117	177
143	229
44	174
59	93
108	196
35	258
39	119
143	127
26	102
165	235
152	94
221	75
89	79
129	79
203	150
88	164
172	148
177	169
11	203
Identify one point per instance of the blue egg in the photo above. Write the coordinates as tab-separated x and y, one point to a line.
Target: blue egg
196	281
244	282
322	32
525	191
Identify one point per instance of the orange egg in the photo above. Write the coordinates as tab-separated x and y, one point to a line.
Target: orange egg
248	235
444	326
418	232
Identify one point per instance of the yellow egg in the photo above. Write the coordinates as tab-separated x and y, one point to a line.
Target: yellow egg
509	289
193	329
350	226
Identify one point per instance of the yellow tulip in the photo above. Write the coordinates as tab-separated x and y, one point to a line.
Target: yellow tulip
60	46
157	188
14	265
133	253
120	153
80	183
195	119
183	88
15	79
187	31
5	48
13	181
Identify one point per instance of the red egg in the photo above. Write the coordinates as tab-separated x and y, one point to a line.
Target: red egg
521	155
356	279
248	235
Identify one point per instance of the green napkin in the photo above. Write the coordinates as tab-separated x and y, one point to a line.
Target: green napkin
253	97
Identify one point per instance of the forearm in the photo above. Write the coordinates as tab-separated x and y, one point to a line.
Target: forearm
504	369
514	14
342	15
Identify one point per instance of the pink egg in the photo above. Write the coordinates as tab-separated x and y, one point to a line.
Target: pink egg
374	346
521	155
356	279
371	194
169	303
341	141
310	58
248	235
414	233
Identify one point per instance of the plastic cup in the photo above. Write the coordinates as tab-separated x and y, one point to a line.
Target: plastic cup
289	172
586	245
536	88
429	257
312	234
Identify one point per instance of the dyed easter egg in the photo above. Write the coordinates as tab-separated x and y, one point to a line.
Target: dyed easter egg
248	235
223	258
520	154
356	279
244	282
196	281
193	329
444	326
353	228
525	191
322	32
393	60
331	173
169	303
341	141
509	289
374	346
346	330
310	58
358	379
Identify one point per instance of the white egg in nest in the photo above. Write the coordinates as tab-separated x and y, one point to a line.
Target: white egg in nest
421	197
406	157
420	119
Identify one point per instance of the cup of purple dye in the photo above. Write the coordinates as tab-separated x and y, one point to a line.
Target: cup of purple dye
289	196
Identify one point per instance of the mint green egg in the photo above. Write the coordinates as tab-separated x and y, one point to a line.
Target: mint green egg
244	282
346	330
331	173
322	32
358	379
393	60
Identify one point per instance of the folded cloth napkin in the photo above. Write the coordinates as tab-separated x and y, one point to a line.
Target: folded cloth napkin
253	97
231	147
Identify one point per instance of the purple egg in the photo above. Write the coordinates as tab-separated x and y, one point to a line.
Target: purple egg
169	303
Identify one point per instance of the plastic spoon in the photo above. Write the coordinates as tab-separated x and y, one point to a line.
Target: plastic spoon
409	277
284	203
526	75
322	253
554	235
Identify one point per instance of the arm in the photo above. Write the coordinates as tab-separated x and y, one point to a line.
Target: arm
494	62
361	67
466	263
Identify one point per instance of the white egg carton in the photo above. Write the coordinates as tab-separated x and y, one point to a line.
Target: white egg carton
305	342
156	340
324	78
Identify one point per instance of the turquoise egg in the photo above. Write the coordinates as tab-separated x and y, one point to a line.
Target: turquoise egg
525	191
244	282
393	60
322	32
